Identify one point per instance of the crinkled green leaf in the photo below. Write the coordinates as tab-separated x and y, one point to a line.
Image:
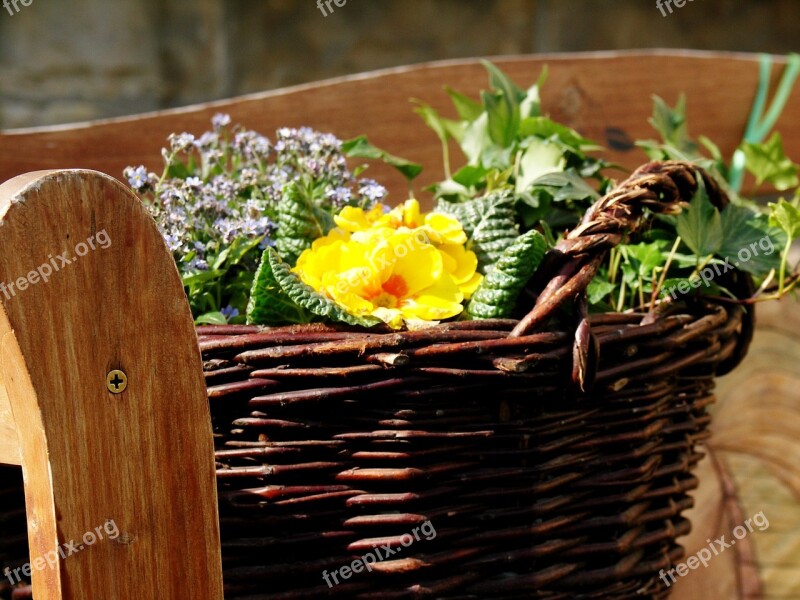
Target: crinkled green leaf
269	304
700	225
299	223
767	162
360	147
489	222
497	295
308	298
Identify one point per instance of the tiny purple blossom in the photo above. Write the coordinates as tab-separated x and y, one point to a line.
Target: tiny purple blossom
230	312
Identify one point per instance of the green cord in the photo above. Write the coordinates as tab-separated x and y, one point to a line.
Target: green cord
758	124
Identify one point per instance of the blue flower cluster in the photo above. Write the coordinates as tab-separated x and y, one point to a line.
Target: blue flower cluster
222	189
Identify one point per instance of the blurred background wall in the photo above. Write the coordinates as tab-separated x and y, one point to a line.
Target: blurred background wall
72	60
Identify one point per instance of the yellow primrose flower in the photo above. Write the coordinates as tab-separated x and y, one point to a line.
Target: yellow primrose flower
462	264
439	227
393	274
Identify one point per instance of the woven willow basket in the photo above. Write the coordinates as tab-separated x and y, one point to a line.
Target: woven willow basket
552	454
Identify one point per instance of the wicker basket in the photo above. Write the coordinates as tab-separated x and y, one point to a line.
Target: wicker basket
550	463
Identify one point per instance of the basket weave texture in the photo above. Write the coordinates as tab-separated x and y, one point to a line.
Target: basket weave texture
552	454
552	463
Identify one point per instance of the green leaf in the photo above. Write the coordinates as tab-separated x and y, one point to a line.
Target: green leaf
786	215
211	318
299	223
531	104
503	118
547	128
269	304
308	298
501	82
497	295
700	226
744	229
598	289
466	107
360	147
767	162
640	261
539	158
489	222
470	176
433	120
566	185
671	124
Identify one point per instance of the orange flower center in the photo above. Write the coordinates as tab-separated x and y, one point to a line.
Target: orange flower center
396	286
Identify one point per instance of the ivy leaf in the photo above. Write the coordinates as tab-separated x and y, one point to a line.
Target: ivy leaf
640	261
767	162
467	109
501	82
503	118
700	226
786	215
743	228
470	175
598	289
547	128
269	304
539	158
308	298
497	295
360	147
489	222
299	223
671	124
566	185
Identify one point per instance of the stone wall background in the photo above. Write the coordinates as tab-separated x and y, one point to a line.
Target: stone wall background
71	60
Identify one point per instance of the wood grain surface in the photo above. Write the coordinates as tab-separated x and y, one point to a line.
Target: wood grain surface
606	96
139	462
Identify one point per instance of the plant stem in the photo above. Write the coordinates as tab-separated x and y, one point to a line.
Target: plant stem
667	265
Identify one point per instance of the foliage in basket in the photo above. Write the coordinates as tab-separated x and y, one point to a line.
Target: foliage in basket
332	251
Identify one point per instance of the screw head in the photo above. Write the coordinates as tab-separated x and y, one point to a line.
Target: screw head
116	381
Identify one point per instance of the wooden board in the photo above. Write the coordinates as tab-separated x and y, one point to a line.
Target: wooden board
606	96
139	463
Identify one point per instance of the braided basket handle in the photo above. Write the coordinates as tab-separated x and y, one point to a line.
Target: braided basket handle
660	186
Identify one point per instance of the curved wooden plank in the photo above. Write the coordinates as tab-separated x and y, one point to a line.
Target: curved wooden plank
606	96
138	462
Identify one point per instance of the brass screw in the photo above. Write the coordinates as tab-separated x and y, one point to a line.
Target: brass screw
116	381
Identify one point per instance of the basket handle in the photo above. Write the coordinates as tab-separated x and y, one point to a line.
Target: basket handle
660	186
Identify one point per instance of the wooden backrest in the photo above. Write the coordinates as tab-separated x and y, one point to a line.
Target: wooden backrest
606	96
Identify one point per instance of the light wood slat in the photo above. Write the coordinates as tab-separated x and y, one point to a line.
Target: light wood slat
9	444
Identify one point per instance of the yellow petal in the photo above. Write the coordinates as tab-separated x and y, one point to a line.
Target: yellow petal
352	219
444	229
